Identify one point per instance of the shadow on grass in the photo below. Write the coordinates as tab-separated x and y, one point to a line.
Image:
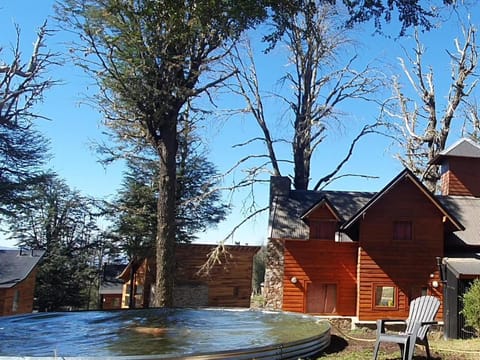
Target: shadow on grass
337	344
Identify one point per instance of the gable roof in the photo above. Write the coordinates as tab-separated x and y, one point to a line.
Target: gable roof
286	212
405	174
461	148
16	265
323	202
110	283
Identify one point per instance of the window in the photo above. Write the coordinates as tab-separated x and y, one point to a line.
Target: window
402	230
16	300
320	229
385	296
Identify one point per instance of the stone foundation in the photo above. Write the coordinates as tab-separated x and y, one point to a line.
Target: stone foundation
190	295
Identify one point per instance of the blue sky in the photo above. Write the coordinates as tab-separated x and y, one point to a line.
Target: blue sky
74	125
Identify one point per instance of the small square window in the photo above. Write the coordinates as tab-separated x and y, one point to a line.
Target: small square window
385	296
402	230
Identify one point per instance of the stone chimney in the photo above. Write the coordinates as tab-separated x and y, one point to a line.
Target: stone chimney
279	186
273	281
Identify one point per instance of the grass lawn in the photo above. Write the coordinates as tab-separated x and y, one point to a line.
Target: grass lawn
358	344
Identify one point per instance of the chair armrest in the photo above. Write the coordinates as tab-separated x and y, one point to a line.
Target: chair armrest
381	324
429	323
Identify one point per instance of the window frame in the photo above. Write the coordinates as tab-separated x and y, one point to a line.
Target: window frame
15	300
398	234
384	307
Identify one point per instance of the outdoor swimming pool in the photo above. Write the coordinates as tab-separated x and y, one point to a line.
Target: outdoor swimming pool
155	333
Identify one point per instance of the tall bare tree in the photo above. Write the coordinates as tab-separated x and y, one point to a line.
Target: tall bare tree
23	83
425	121
316	88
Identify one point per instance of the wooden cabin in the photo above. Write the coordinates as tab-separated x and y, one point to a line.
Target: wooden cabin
18	270
228	284
367	255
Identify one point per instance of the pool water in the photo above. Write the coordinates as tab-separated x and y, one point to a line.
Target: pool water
169	332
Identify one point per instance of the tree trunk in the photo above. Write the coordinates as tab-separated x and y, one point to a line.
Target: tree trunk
165	242
301	153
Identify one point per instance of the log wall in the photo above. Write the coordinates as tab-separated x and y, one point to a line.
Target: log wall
461	177
324	262
409	265
25	289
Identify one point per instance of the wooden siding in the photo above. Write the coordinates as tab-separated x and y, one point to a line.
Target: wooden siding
111	301
322	262
322	224
322	213
229	283
26	290
461	177
406	264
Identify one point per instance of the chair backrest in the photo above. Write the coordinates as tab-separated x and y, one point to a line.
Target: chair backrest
423	308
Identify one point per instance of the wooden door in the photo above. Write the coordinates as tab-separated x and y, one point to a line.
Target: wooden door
321	298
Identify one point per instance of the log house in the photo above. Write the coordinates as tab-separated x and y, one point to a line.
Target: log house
367	255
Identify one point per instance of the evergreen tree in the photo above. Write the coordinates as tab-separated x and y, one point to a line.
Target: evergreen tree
61	222
198	200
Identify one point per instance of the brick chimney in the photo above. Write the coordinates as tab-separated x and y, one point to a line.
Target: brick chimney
460	168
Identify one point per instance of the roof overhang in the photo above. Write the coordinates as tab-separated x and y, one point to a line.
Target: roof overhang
463	147
465	268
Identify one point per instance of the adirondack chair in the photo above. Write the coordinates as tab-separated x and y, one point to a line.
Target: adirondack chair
422	314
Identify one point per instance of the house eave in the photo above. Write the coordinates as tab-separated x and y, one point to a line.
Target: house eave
409	175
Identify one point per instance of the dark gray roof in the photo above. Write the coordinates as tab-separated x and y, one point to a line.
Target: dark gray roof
110	283
461	148
286	212
16	265
467	210
464	266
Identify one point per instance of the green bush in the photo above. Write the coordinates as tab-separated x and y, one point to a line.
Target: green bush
471	305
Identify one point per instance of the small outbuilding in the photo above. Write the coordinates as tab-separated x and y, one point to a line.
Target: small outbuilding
18	270
227	284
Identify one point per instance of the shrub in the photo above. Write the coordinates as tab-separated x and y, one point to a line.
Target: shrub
471	305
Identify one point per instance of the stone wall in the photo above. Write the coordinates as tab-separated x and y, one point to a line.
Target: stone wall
190	295
273	283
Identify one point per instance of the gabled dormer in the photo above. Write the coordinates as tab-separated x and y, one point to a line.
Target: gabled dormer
322	220
460	168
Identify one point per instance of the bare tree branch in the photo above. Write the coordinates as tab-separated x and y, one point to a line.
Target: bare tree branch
367	129
426	127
